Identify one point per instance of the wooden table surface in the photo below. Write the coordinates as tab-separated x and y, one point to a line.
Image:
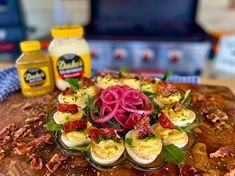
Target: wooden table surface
207	81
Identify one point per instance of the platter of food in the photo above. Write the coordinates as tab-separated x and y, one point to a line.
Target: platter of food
120	123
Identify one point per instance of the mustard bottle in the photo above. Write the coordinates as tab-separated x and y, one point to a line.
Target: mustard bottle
34	70
70	54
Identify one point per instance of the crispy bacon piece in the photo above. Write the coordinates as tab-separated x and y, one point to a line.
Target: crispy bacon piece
186	170
22	132
104	133
178	106
231	112
218	118
77	124
230	173
147	79
33	145
72	108
221	152
68	91
129	75
143	127
32	119
165	121
36	162
103	74
166	89
27	106
55	162
86	82
2	153
7	130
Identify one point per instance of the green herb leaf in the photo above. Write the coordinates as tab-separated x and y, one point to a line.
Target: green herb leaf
186	94
73	83
81	148
124	69
50	126
182	129
151	137
128	141
172	154
167	75
153	116
27	160
112	123
150	95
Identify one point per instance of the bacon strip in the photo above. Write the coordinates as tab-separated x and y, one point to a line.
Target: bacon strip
221	152
143	127
230	173
33	145
55	162
68	91
22	132
105	133
166	89
178	106
2	153
71	108
7	130
86	82
36	162
77	124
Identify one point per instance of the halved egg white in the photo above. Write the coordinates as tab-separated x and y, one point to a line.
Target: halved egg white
63	117
73	99
183	119
171	136
106	160
57	118
138	158
75	138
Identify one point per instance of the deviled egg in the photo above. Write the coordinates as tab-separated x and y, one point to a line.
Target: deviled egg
76	98
171	136
63	117
143	151
148	84
180	118
75	138
105	80
107	151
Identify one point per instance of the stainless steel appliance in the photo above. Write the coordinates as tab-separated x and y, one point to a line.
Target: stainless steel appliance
148	35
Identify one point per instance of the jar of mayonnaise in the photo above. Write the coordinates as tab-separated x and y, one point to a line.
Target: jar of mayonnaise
70	54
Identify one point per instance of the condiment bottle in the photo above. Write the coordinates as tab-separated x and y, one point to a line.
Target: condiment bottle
34	69
70	54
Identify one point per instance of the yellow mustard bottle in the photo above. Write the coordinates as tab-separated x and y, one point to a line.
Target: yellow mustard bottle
70	54
34	70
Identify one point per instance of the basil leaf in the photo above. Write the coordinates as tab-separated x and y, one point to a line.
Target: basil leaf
150	95
182	129
73	83
172	154
112	123
167	75
50	126
124	69
186	94
81	148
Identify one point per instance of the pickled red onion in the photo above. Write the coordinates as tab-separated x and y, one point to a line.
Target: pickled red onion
123	104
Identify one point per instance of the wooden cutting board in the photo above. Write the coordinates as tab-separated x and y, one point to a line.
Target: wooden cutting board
11	111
